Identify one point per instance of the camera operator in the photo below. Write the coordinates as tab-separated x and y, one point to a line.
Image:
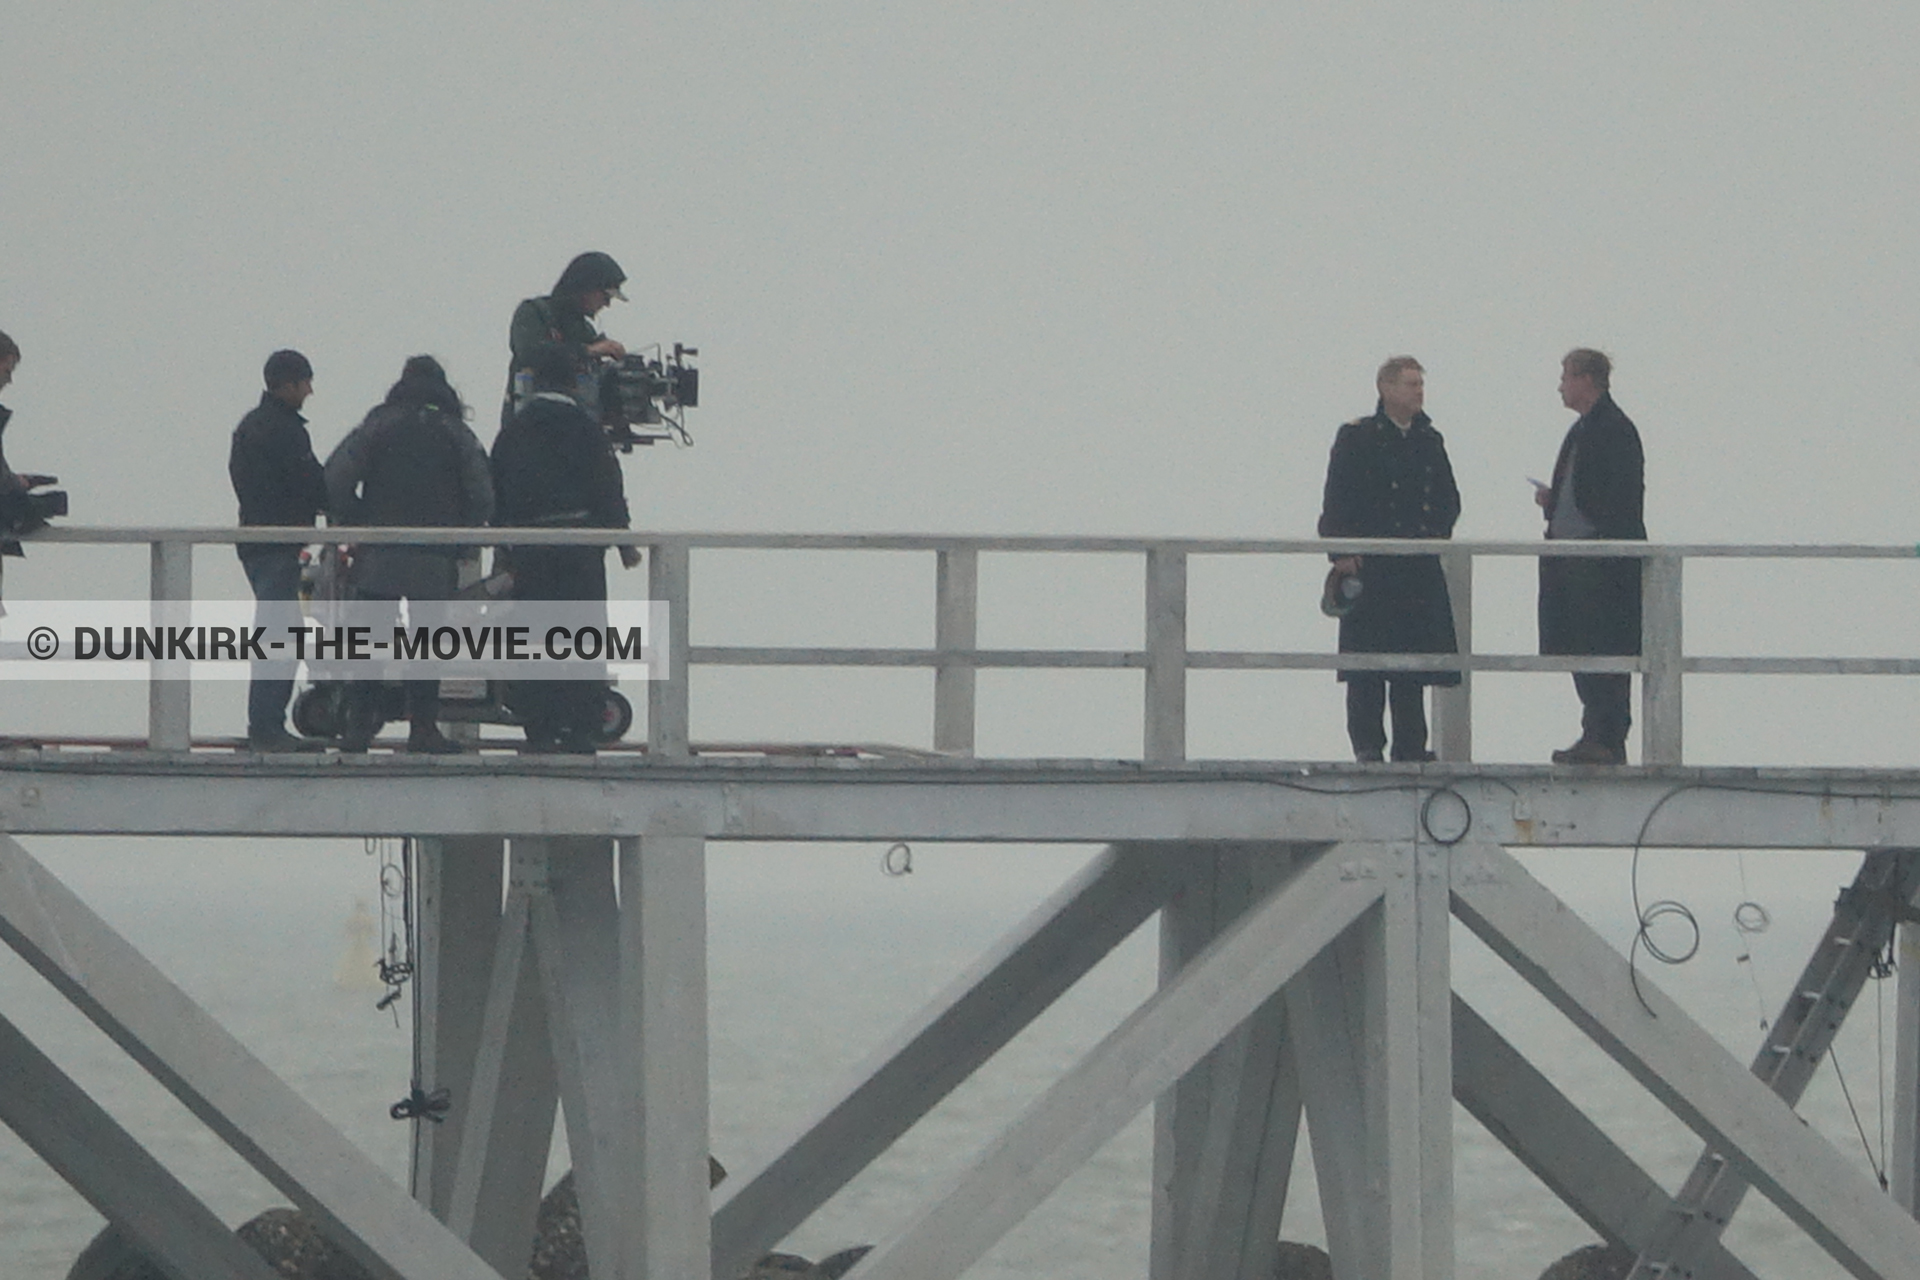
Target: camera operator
564	319
553	466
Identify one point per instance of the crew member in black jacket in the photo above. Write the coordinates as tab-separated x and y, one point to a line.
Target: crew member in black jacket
1389	477
1587	605
279	482
553	466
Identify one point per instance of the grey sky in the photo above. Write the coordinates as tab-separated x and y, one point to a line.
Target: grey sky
1078	268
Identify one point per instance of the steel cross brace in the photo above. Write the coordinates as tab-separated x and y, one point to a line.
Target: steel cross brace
1864	918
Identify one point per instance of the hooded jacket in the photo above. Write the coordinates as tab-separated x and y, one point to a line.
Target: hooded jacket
410	463
557	319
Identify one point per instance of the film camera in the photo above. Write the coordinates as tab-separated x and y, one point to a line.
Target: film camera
652	393
23	511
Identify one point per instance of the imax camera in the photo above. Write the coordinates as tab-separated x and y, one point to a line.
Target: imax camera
652	393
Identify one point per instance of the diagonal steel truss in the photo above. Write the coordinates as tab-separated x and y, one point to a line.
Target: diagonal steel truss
1298	980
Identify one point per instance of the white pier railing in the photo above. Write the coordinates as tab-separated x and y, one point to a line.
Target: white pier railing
1165	658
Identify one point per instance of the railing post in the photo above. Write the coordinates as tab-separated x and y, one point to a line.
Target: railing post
1166	700
955	631
1453	705
1661	647
169	687
668	569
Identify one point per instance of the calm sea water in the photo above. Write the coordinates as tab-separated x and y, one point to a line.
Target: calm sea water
816	955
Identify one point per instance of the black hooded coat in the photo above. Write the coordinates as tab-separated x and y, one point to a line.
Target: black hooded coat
413	462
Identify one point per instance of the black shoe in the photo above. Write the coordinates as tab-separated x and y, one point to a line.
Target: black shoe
278	741
1586	751
1414	757
363	720
1375	756
434	744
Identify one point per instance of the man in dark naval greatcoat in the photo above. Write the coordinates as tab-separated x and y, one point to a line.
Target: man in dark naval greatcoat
1590	605
1389	478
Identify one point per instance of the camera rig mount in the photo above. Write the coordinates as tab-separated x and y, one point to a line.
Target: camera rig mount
650	392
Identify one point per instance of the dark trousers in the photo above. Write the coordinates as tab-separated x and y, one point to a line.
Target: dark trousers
1606	701
1367	699
274	574
367	700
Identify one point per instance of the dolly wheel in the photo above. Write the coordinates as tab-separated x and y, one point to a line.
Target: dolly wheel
616	716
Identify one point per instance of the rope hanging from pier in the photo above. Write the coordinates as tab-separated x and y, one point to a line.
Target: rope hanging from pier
396	964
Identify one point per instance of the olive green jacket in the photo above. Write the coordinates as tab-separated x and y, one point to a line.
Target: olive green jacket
546	322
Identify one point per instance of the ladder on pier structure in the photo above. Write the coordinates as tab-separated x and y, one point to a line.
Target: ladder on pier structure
1865	916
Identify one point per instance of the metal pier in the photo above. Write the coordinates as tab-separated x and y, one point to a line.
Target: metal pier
1304	912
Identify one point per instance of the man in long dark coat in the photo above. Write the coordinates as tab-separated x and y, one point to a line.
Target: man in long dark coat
1592	606
1389	477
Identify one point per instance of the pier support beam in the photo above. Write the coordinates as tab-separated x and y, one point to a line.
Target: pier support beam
601	1001
575	927
1905	1173
1681	1065
1224	1135
106	1165
1561	1146
958	1030
661	1027
1327	1008
232	1092
1416	1095
506	1116
1372	1025
457	891
1865	918
1152	1049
